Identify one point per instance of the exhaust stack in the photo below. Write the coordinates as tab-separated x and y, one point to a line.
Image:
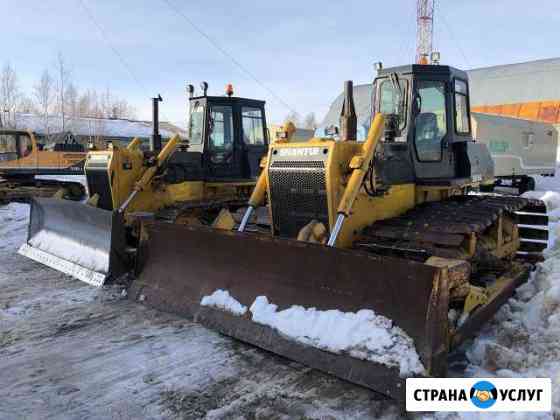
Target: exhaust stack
348	119
155	141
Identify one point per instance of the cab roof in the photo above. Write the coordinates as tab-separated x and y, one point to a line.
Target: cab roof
446	71
232	99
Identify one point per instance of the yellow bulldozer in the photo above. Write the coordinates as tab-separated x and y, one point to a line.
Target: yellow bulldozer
370	260
377	261
187	182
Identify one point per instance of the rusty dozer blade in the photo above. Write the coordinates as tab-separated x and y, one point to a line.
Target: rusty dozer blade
178	265
77	239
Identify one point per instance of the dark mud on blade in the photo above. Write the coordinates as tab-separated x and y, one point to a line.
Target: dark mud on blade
179	265
83	241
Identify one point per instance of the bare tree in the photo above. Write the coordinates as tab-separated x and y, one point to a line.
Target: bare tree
310	122
26	105
84	104
293	117
9	92
71	97
63	78
44	93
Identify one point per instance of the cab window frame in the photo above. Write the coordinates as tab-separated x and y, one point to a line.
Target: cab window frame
466	98
378	97
445	119
201	104
227	127
260	119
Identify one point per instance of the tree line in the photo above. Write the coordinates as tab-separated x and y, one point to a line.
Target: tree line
308	122
55	93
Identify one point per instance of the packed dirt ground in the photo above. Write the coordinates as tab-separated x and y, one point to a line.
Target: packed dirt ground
70	351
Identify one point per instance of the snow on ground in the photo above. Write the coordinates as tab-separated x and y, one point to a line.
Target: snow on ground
69	351
523	340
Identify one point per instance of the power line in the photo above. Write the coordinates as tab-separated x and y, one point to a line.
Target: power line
215	44
109	44
453	39
107	41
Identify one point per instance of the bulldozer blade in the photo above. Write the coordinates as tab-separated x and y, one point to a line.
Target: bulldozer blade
178	265
83	241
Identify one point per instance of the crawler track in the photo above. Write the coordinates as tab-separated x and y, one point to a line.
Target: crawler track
24	191
455	228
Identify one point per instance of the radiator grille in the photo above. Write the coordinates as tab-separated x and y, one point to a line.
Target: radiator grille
298	195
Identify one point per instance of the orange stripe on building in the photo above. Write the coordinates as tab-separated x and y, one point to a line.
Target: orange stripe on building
545	111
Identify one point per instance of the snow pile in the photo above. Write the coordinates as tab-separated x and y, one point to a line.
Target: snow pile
70	250
65	178
363	335
523	340
222	299
551	198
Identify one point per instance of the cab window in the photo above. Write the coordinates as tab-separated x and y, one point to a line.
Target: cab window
196	123
25	147
253	130
221	128
390	99
430	121
462	123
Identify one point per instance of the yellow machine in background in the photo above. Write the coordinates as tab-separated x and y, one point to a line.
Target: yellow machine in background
22	158
21	155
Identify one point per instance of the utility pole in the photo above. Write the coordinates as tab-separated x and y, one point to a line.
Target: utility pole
425	30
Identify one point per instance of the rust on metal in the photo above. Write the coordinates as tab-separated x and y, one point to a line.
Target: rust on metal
182	264
515	278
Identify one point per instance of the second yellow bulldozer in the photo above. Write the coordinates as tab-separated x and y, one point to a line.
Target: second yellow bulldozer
378	260
186	182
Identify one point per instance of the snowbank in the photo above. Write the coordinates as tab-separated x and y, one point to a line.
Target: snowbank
551	198
523	340
221	299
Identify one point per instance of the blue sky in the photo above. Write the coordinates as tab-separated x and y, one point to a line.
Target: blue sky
300	50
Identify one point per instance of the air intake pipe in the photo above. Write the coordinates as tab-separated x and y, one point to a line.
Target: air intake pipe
155	141
348	119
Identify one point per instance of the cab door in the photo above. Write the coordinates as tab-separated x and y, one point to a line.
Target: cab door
432	130
223	157
254	138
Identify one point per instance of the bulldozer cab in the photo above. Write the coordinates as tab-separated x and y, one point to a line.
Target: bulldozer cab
231	135
428	131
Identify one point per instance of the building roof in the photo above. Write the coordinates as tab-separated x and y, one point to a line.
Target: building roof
362	104
533	81
94	127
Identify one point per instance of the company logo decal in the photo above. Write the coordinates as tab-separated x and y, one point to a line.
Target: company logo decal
484	394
